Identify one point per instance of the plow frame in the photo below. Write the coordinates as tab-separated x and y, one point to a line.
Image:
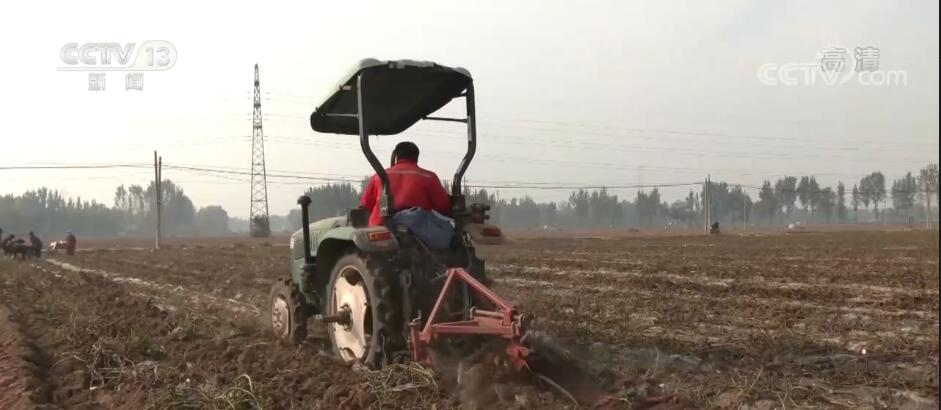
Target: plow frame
504	322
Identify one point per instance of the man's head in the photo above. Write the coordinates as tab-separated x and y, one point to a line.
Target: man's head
406	150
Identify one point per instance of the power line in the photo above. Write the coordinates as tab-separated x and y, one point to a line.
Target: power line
546	161
567	187
220	171
304	97
302	177
272	175
292	172
36	167
530	141
556	123
683	132
533	185
669	133
680	151
818	144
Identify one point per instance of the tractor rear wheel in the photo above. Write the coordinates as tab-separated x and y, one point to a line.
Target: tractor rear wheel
287	314
360	290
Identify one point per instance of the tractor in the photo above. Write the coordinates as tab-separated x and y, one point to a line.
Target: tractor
377	288
381	292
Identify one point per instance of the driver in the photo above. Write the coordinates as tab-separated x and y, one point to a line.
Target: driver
412	186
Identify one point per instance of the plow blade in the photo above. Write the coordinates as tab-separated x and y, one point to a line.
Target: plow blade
558	369
533	353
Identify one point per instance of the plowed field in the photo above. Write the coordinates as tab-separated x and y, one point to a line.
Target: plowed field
821	320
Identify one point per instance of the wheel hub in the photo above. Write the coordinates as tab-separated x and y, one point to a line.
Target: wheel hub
349	297
280	316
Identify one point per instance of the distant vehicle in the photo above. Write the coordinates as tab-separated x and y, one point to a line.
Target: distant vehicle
796	227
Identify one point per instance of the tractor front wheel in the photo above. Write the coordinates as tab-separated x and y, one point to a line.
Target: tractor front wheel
287	315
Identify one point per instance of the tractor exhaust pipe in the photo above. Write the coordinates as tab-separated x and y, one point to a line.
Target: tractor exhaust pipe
304	201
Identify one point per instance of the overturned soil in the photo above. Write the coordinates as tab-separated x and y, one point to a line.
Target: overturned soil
837	319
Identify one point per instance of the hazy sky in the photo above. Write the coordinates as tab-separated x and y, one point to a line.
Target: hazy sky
585	93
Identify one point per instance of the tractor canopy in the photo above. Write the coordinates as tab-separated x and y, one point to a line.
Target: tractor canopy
396	95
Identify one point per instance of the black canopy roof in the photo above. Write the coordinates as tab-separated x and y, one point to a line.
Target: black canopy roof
397	94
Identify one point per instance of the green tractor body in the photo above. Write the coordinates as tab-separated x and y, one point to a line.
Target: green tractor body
330	239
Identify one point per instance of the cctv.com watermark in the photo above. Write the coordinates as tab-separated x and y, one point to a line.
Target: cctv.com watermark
835	66
130	58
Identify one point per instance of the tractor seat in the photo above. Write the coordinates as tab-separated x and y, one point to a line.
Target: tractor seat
454	256
435	231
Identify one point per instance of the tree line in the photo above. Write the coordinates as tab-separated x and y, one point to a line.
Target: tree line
787	199
48	212
867	201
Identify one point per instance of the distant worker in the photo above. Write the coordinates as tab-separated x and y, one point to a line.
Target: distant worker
70	242
35	244
412	186
5	242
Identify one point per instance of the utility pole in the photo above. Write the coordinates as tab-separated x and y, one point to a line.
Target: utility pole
158	197
640	182
928	208
258	222
744	208
885	203
705	206
709	192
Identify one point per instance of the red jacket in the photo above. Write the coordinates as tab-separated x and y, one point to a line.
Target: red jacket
411	186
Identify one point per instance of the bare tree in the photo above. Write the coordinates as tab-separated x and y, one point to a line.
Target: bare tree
928	186
768	201
785	192
872	188
808	191
825	201
878	190
857	200
840	202
903	194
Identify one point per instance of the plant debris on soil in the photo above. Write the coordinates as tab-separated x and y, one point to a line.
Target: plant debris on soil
821	320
